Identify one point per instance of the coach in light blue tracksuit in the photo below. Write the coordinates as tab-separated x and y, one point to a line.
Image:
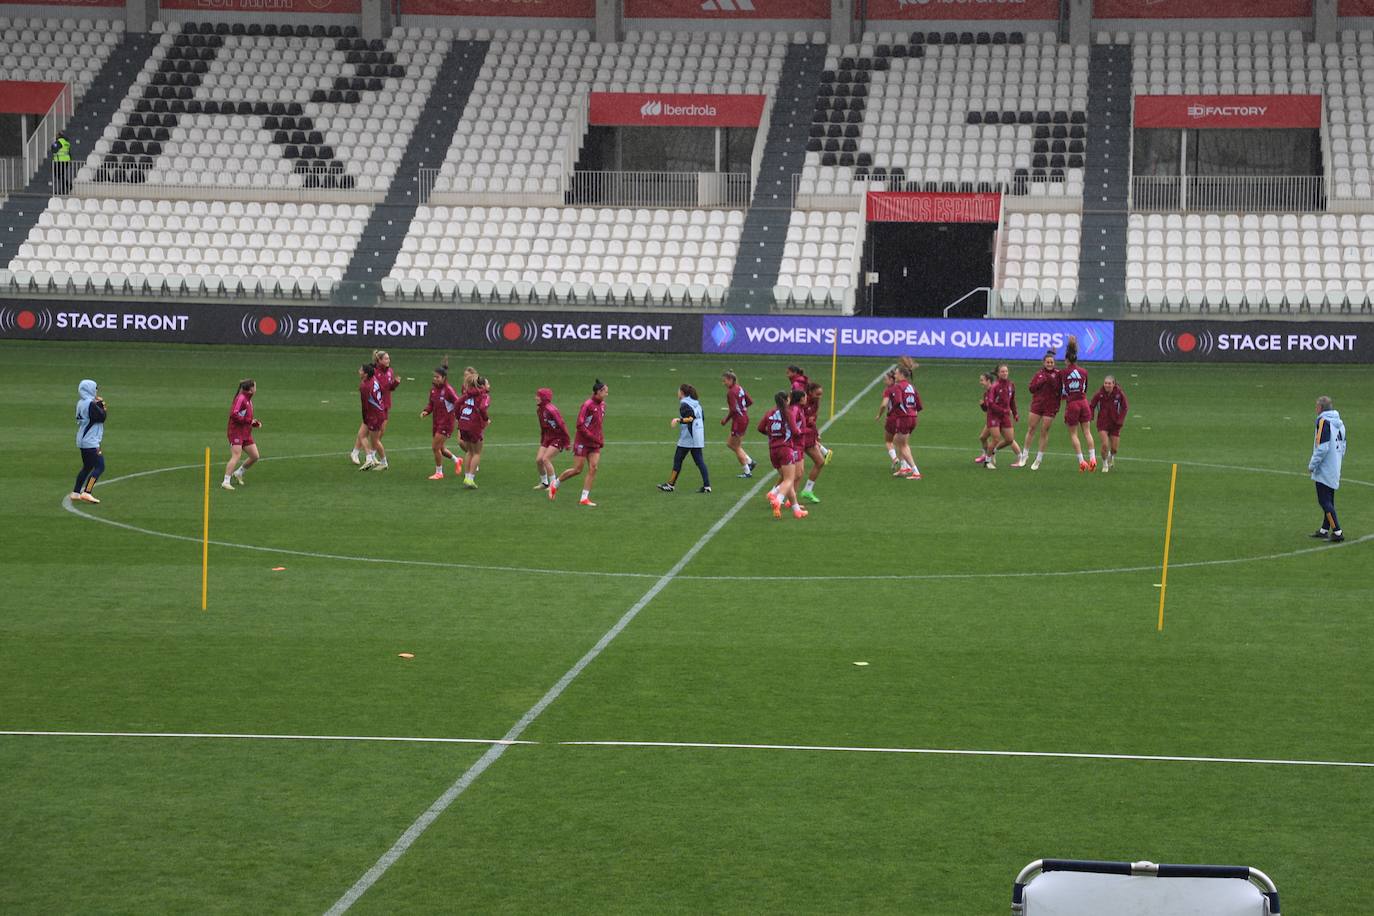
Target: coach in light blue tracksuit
691	437
1328	450
90	432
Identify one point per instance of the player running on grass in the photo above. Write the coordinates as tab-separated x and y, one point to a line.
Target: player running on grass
388	382
443	407
587	443
241	426
1004	400
906	412
798	380
472	423
553	436
374	415
737	402
889	420
1044	389
1077	411
811	440
1110	404
992	423
781	429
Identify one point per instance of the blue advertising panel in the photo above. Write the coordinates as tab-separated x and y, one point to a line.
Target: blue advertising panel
930	338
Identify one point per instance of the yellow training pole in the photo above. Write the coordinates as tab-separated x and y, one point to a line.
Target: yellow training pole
1168	534
834	365
205	537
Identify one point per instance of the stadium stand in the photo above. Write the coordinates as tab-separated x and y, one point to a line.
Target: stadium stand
280	160
1263	263
143	247
1040	260
525	116
986	111
53	50
240	106
567	254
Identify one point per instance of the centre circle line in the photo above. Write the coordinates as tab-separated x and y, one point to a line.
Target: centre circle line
606	574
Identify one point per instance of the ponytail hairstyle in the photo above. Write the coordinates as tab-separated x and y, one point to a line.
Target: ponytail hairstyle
442	368
377	356
990	377
1071	351
469	376
481	382
906	367
246	385
688	391
797	396
780	399
812	387
369	370
730	374
597	386
795	370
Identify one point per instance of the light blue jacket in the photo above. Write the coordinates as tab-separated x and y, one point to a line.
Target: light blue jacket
90	424
692	433
1328	449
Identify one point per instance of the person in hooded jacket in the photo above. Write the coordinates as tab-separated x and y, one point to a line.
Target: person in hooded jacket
90	433
1328	451
553	436
691	439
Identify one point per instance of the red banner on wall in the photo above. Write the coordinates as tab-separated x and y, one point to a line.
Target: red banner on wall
291	7
667	109
1355	8
727	9
1191	9
89	3
27	97
542	9
920	207
963	9
1228	111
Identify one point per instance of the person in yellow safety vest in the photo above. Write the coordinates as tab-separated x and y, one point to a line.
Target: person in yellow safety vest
61	150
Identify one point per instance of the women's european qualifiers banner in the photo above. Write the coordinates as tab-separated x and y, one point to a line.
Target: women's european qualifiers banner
929	338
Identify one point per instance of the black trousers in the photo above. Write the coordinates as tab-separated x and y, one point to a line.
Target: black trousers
92	466
1326	498
698	456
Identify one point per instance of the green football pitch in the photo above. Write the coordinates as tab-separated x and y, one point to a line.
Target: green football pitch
890	706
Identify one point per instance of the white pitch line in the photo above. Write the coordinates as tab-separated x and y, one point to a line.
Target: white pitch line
1157	758
382	738
494	753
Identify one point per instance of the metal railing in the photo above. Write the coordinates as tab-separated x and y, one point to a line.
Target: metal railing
55	119
425	180
720	190
12	174
821	193
140	177
1229	193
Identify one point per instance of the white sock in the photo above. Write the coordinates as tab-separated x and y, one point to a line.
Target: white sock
586	494
226	478
354	453
892	454
382	462
438	469
810	485
238	472
748	459
371	456
773	493
468	476
824	451
1092	453
544	479
1080	456
1039	456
